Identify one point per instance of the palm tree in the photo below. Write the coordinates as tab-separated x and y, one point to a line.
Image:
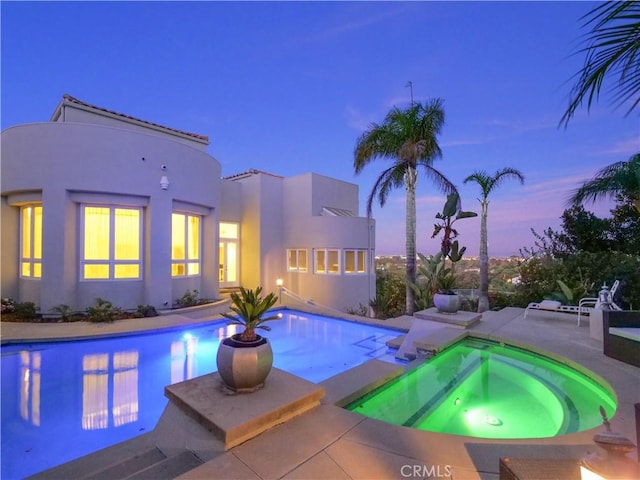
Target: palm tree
612	48
619	178
407	138
487	184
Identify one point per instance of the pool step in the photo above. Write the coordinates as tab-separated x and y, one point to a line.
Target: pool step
152	464
459	319
169	468
425	339
132	465
111	463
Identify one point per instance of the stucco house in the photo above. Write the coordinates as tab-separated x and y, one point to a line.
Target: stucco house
100	204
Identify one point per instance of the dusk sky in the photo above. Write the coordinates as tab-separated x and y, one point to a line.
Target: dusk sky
288	87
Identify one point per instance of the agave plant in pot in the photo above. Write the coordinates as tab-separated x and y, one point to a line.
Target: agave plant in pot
245	359
446	300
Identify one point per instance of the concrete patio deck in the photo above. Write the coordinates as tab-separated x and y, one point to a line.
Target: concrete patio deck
329	442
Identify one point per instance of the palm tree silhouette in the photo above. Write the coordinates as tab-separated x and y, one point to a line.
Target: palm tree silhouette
407	138
487	184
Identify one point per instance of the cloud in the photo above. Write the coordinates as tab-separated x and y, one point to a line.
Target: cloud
357	120
624	148
347	27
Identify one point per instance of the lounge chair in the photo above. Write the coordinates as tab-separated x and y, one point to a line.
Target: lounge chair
593	302
555	306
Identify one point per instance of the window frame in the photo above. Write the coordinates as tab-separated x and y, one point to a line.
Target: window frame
327	252
31	259
297	252
186	262
357	263
111	261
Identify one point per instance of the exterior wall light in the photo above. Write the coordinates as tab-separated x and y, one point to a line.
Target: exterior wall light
279	283
613	462
164	182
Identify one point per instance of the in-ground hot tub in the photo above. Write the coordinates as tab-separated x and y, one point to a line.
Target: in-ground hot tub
481	388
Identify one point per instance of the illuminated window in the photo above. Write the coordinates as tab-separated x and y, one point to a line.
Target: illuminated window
185	245
327	261
111	243
296	260
355	261
31	241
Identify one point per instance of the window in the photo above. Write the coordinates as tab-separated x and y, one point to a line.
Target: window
111	243
185	245
355	261
31	241
327	261
296	260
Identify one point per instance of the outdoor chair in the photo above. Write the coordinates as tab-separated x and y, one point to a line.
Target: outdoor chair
590	303
555	306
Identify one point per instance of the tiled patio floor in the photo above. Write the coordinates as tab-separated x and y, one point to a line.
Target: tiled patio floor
332	443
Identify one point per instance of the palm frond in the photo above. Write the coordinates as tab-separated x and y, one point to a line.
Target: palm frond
612	50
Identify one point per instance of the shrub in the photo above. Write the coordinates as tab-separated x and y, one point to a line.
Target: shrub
361	310
25	311
103	311
145	311
64	311
8	305
189	299
390	295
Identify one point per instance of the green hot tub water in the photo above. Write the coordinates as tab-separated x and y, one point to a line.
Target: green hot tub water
485	389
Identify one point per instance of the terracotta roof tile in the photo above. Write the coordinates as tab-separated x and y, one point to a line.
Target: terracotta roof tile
71	99
251	171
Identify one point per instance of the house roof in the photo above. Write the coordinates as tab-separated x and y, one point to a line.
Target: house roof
248	173
336	212
69	100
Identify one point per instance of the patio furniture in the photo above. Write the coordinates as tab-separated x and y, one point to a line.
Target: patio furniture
595	302
621	335
555	306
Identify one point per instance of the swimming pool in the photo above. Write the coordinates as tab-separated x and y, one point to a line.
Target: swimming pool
63	400
486	389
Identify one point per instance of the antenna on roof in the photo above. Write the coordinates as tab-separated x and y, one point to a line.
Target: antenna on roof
410	85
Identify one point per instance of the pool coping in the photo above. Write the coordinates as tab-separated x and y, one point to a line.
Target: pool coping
323	445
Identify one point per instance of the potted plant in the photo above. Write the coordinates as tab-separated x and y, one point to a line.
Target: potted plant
446	300
245	359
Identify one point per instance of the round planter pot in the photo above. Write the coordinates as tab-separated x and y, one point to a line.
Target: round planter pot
244	366
446	303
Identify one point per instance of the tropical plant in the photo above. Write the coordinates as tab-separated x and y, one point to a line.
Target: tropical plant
64	310
25	310
189	299
390	295
8	305
619	178
487	184
407	138
449	246
250	308
103	311
612	49
144	311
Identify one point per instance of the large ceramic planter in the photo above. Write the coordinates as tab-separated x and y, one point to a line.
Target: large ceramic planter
244	366
446	303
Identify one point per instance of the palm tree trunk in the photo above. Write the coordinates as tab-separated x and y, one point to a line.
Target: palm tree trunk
410	180
483	300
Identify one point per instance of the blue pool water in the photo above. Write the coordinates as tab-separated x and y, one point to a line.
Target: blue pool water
63	400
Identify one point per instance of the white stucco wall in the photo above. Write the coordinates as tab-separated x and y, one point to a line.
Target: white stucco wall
72	163
303	199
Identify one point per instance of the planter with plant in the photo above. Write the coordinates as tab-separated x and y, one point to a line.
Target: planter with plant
245	359
446	300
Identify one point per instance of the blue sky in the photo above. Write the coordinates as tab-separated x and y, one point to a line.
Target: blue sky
288	87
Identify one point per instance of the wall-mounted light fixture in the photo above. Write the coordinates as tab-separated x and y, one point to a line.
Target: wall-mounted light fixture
279	283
